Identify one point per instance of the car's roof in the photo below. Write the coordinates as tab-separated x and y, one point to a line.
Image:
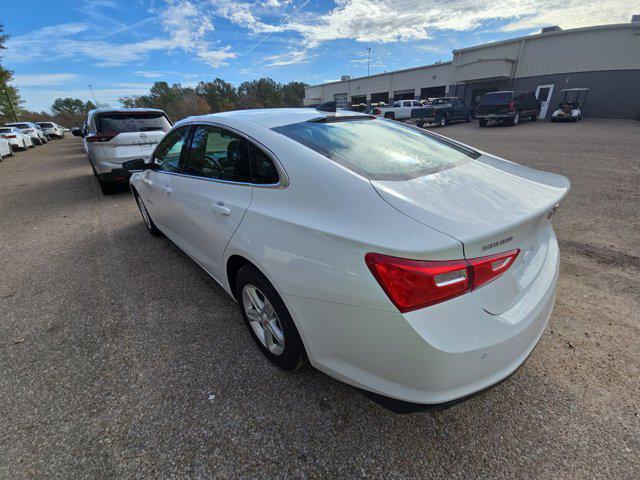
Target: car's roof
123	110
271	117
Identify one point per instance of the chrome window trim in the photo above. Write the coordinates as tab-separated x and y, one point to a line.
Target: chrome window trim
284	178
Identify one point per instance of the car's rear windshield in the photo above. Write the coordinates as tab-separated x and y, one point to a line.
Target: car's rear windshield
378	149
46	124
6	130
496	98
20	125
132	122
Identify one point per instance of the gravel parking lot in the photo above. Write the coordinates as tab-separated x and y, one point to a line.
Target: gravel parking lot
120	357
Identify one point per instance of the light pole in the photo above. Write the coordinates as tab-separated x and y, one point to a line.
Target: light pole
368	59
94	95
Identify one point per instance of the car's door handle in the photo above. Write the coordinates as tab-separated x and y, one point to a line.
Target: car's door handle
219	207
166	190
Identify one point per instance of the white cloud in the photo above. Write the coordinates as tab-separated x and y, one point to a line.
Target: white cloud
288	58
399	20
43	79
183	22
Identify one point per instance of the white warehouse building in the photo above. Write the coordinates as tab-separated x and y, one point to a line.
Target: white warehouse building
605	59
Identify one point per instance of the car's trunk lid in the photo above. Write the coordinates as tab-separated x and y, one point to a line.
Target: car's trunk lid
490	206
130	145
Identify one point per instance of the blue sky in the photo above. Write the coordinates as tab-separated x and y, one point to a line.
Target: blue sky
122	46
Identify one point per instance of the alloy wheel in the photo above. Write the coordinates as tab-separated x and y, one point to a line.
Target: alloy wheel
263	319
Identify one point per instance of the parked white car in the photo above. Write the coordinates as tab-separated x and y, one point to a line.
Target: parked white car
5	148
30	129
51	130
113	137
400	110
16	138
395	259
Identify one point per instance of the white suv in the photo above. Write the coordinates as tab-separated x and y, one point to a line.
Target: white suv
113	137
31	129
51	130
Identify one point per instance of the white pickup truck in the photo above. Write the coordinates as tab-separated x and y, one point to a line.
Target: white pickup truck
400	110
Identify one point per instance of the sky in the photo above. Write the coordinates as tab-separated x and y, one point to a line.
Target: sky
121	47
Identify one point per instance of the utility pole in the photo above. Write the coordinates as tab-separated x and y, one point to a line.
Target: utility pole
94	95
368	59
13	109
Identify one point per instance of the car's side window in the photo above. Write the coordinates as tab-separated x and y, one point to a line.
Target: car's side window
217	154
263	170
167	155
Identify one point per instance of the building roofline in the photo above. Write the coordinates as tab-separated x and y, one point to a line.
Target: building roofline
547	34
437	64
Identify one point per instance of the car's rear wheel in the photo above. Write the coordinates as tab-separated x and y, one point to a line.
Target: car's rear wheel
268	319
534	117
442	121
390	116
151	227
10	150
420	124
482	122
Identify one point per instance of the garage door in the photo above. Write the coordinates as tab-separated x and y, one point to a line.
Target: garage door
341	100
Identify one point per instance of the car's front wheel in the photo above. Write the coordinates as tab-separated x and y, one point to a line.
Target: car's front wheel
268	319
151	227
482	122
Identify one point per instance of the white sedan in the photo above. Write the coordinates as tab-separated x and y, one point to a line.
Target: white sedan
5	148
401	262
16	138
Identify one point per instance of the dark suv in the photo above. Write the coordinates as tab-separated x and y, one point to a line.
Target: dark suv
508	106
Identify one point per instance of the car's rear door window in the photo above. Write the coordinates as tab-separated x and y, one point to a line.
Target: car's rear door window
378	149
263	170
122	122
217	154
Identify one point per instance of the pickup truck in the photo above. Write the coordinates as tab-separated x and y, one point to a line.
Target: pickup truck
442	111
508	106
401	110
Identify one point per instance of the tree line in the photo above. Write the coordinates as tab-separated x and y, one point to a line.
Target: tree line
177	100
217	96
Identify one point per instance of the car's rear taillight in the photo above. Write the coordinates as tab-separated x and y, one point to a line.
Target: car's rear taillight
487	269
512	107
100	137
413	284
377	111
9	136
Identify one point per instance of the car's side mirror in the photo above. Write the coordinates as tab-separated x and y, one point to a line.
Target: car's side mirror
135	164
76	132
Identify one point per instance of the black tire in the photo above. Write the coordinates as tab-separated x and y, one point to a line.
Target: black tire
513	121
148	221
33	144
482	122
390	115
420	124
293	355
10	151
107	188
534	117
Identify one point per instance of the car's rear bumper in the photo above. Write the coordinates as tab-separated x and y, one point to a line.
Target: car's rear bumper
106	168
431	356
495	116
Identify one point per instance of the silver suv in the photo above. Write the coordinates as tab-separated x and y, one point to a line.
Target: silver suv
114	137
